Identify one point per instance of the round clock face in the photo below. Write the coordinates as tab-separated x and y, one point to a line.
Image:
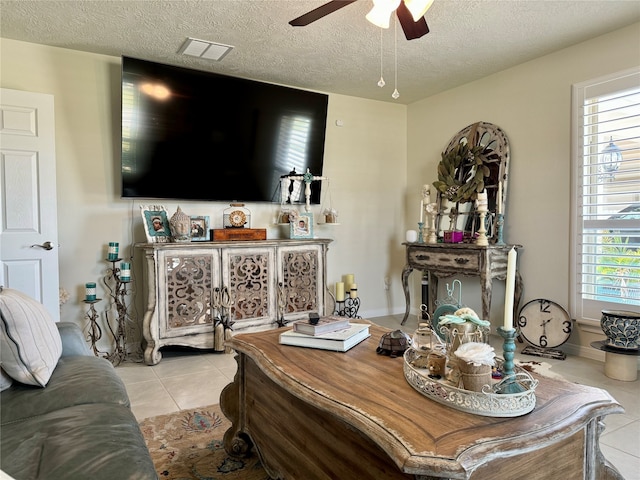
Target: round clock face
544	323
237	218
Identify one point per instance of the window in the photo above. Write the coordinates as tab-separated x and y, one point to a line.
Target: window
606	195
293	140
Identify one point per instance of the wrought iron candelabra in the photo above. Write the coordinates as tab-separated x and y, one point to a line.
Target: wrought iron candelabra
117	288
95	332
348	307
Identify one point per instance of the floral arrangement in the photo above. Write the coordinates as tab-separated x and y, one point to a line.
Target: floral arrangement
461	172
476	353
331	215
63	296
461	316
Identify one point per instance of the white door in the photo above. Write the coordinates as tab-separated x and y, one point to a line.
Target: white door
29	229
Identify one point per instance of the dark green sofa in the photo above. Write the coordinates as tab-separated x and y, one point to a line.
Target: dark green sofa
78	427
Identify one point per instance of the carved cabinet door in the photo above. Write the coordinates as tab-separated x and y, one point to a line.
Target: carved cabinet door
249	275
186	279
300	281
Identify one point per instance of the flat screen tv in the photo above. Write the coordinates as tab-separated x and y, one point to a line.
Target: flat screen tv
194	135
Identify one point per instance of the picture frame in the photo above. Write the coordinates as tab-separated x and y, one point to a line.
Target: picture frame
301	226
199	228
156	223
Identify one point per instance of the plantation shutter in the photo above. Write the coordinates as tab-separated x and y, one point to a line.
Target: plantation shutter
607	195
293	139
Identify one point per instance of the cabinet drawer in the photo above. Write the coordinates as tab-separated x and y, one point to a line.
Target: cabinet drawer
444	259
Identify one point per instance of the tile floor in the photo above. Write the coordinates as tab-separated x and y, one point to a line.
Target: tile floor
189	378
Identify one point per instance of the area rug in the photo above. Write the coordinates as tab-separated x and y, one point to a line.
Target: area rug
540	368
187	445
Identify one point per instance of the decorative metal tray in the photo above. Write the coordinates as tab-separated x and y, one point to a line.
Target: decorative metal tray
488	403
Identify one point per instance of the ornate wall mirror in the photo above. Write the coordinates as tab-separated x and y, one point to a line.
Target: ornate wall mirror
476	159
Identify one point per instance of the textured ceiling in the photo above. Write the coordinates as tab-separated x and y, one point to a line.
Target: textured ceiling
340	53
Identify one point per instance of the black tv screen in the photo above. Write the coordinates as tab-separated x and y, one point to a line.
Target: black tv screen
194	135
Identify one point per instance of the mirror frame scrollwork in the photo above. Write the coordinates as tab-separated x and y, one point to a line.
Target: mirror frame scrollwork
496	150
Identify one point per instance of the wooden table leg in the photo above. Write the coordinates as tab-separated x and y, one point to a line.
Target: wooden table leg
486	290
406	271
236	441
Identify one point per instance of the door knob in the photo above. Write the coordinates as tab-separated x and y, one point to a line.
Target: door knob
45	245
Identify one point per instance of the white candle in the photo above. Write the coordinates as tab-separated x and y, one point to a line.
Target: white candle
340	291
348	279
426	194
353	292
481	201
499	200
421	210
510	287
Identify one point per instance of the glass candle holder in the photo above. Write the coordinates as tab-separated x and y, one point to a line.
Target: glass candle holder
422	337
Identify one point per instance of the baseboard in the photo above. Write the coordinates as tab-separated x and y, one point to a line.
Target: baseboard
383	312
585	352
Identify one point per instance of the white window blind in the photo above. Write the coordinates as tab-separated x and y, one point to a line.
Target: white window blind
606	255
293	140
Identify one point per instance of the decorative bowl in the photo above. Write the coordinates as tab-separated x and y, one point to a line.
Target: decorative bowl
622	328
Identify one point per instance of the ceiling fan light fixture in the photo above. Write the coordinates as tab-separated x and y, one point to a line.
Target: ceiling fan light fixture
418	7
380	14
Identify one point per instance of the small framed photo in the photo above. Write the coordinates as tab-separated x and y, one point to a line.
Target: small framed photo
199	229
156	223
301	226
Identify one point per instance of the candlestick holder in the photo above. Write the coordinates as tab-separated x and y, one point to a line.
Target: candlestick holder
95	332
509	385
420	234
499	227
481	239
282	303
117	289
432	237
348	307
432	213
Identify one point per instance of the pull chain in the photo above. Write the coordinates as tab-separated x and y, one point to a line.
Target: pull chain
395	93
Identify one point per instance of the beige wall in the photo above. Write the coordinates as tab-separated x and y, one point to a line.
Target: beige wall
365	160
532	104
377	162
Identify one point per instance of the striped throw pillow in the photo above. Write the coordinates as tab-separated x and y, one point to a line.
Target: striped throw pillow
30	344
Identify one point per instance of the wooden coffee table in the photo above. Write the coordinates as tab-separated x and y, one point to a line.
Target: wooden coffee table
315	414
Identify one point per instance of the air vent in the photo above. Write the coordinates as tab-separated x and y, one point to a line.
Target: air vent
204	49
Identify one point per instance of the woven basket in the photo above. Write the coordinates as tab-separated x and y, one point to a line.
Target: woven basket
474	377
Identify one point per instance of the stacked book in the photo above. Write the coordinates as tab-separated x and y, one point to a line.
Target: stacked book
329	333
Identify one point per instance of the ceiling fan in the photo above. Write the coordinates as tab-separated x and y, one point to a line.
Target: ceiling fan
410	14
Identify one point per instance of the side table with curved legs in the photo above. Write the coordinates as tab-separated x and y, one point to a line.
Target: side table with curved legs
443	260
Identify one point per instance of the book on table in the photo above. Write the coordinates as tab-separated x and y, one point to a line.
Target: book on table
338	341
327	324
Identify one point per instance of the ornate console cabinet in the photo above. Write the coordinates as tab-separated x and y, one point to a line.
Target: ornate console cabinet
265	279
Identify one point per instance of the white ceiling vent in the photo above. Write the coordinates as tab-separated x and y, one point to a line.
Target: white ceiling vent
204	49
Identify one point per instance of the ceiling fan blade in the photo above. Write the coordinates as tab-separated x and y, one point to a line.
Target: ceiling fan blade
412	30
318	13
